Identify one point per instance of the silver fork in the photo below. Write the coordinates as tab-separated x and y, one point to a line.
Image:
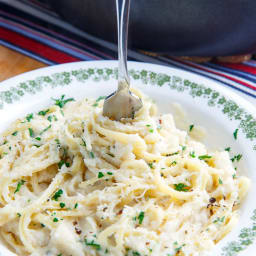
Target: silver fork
122	103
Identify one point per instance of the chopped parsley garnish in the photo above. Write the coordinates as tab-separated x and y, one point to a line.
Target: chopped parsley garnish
100	175
234	176
58	142
151	165
62	101
62	162
95	105
228	149
133	114
236	158
191	127
173	163
43	112
29	117
179	248
134	253
19	215
181	187
183	148
110	173
110	154
55	219
31	132
220	181
46	129
49	118
20	183
62	205
172	154
192	154
84	143
235	134
76	205
150	130
55	118
204	157
15	133
141	217
91	154
92	244
57	195
101	98
38	138
219	219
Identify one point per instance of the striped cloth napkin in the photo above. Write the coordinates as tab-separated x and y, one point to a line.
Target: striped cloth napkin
32	28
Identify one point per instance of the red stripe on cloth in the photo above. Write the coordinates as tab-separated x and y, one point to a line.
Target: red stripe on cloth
35	47
217	73
240	67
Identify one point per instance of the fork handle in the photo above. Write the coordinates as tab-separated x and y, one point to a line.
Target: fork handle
123	9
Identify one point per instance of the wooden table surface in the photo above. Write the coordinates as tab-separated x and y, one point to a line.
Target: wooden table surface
13	63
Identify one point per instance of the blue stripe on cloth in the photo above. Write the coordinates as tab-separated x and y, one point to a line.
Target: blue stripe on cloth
199	72
237	73
251	63
212	72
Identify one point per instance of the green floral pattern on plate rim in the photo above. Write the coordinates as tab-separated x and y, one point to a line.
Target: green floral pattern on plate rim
247	124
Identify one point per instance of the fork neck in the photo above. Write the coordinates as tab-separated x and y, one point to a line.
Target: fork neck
123	9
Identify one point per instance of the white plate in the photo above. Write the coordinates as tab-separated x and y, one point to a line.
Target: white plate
216	108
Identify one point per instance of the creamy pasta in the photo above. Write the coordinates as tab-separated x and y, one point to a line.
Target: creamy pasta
73	182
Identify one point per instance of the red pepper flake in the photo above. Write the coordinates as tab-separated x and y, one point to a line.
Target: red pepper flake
120	212
78	231
160	121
